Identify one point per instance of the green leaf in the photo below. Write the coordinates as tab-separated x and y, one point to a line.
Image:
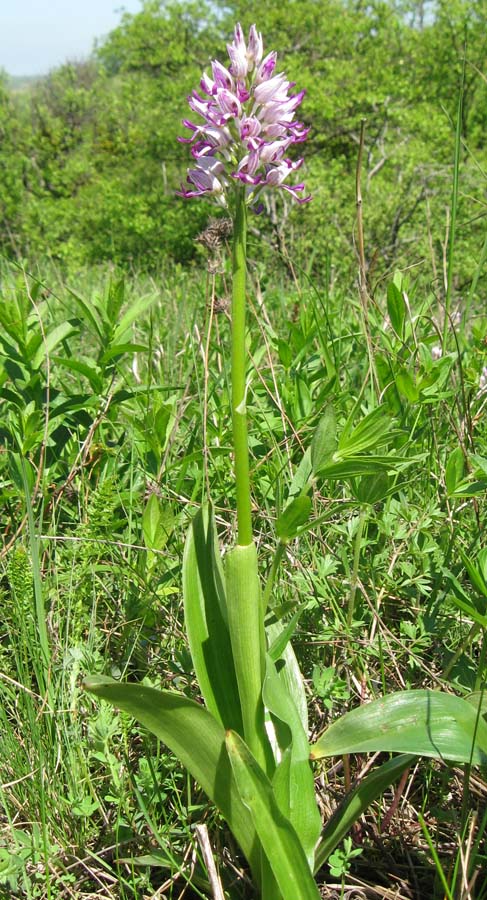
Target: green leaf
115	350
89	370
91	313
296	513
115	298
356	802
302	475
206	619
475	573
454	470
285	353
137	307
461	599
426	723
363	465
157	523
374	430
324	441
406	386
53	338
293	781
396	308
197	739
279	840
289	673
372	488
280	642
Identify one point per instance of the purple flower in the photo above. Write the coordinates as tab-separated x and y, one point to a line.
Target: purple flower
247	126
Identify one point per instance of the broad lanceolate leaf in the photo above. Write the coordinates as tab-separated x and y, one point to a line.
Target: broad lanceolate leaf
455	469
426	723
356	802
279	840
197	739
324	441
396	307
157	523
205	616
293	781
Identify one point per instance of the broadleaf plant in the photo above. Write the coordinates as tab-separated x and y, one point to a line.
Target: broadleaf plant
248	746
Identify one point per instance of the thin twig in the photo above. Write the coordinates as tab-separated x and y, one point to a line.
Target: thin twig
204	842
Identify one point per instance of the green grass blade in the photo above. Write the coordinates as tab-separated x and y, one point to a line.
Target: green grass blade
356	802
198	741
280	842
425	723
205	616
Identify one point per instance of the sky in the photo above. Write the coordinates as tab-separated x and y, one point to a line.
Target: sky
38	35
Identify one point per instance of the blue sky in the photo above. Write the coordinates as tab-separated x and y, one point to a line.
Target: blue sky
37	35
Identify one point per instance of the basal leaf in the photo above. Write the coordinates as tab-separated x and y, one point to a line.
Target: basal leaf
279	840
197	739
356	802
293	780
206	621
426	723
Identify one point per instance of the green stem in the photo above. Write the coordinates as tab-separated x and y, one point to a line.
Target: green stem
356	562
239	410
454	209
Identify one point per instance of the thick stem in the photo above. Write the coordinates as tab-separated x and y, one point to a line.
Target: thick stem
239	410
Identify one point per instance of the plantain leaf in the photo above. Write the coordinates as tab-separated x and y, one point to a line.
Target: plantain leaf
293	781
206	622
426	723
356	802
197	739
279	840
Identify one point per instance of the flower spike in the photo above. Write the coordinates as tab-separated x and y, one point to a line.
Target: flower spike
247	129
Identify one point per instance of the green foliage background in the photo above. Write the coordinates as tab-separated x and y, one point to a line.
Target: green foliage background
90	162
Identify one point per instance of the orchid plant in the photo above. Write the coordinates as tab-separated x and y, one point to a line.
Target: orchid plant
247	745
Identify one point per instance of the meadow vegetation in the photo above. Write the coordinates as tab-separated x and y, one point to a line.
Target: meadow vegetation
115	424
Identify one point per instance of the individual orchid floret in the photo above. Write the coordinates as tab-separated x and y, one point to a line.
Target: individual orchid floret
248	126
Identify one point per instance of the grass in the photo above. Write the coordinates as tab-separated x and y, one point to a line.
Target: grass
111	436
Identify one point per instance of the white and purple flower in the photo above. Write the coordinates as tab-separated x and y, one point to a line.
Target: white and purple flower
248	126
